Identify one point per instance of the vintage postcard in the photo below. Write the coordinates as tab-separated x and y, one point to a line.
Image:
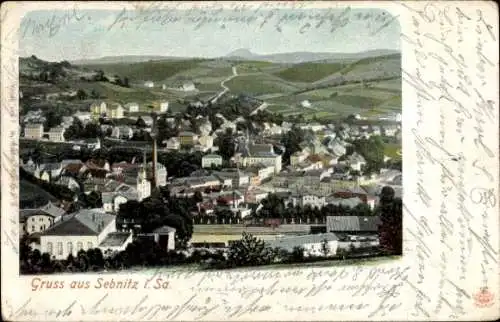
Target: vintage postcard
243	161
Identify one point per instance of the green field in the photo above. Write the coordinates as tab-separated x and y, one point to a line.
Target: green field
391	150
283	86
309	72
152	70
259	84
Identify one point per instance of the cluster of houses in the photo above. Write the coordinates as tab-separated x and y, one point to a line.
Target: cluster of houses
34	130
319	174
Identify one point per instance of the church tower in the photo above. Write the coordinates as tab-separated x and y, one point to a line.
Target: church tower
143	185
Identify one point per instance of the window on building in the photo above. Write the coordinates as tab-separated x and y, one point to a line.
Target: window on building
40	219
89	245
32	228
59	248
79	246
49	248
70	248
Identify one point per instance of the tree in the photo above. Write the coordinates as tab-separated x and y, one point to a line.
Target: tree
272	207
53	118
81	94
291	140
93	200
391	217
227	144
297	255
94	94
140	123
325	248
249	251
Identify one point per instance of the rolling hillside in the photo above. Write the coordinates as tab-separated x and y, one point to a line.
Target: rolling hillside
361	83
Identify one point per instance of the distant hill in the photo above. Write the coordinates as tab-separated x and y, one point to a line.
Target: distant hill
302	57
123	59
34	68
246	54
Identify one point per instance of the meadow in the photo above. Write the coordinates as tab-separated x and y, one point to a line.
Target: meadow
368	86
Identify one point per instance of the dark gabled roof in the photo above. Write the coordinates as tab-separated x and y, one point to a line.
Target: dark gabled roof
115	239
352	223
86	222
69	227
164	230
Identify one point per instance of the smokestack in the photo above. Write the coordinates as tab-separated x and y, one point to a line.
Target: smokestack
155	135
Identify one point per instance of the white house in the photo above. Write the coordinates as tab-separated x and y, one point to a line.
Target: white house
85	229
33	131
188	87
305	103
84	117
173	143
164	236
206	142
390	130
132	107
163	107
111	201
356	161
122	132
211	159
313	245
149	84
68	181
116	112
39	219
56	134
98	109
306	198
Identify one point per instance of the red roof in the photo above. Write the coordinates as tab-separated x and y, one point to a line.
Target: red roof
74	168
314	158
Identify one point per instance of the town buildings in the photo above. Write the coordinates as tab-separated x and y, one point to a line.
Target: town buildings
210	160
56	134
33	131
83	230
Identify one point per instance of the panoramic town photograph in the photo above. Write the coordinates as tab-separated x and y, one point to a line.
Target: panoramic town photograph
167	141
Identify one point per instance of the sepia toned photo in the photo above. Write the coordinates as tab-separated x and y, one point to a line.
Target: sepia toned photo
211	151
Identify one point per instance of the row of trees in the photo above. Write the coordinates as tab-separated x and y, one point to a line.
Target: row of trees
274	206
249	251
83	95
138	253
88	131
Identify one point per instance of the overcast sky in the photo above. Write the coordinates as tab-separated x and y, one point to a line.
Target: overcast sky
66	35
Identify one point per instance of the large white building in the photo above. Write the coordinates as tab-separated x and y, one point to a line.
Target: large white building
33	131
56	134
312	245
303	199
83	230
39	219
251	154
211	159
